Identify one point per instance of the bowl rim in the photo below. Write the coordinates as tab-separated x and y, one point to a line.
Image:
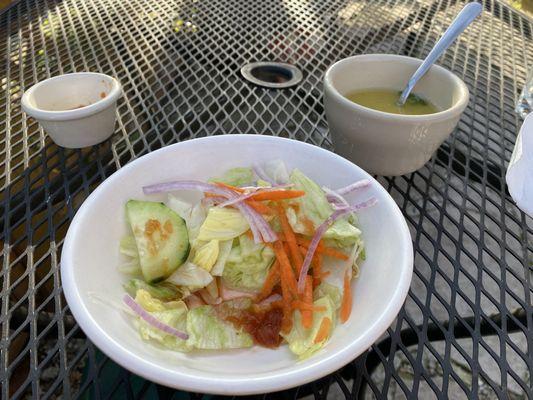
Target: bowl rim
270	381
455	109
78	113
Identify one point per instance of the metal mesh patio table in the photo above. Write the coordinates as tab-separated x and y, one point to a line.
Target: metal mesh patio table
465	329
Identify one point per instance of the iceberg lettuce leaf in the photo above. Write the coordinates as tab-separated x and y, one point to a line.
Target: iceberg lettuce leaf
207	331
247	265
303	342
180	207
161	291
313	209
206	255
222	224
333	292
276	170
223	254
239	176
172	313
191	276
128	248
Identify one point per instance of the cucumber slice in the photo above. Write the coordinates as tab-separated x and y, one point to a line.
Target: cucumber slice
161	237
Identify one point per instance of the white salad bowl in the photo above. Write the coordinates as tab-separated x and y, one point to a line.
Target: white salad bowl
93	285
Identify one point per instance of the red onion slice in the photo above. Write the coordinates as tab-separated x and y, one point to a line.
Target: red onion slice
151	320
335	196
335	199
238	199
270	299
354	186
187	185
320	232
253	222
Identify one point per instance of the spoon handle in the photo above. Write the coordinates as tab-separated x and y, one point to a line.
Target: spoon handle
458	25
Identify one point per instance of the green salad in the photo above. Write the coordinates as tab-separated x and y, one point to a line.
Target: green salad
266	257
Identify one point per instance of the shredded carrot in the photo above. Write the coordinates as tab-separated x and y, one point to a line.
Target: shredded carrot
302	241
271	280
287	251
307	316
288	286
277	195
286	272
317	269
286	322
323	331
290	237
346	305
303	306
322	249
259	207
226	186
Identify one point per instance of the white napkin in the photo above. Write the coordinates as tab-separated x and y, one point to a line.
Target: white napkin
519	175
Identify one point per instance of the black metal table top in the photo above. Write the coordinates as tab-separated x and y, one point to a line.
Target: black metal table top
465	327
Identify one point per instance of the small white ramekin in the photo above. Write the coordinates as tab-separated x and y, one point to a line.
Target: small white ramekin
384	143
76	110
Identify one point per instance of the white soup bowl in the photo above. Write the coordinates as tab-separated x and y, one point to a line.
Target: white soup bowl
384	143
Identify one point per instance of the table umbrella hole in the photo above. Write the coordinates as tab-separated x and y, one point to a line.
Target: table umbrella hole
274	75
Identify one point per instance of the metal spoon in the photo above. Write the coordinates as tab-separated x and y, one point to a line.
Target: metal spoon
459	24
